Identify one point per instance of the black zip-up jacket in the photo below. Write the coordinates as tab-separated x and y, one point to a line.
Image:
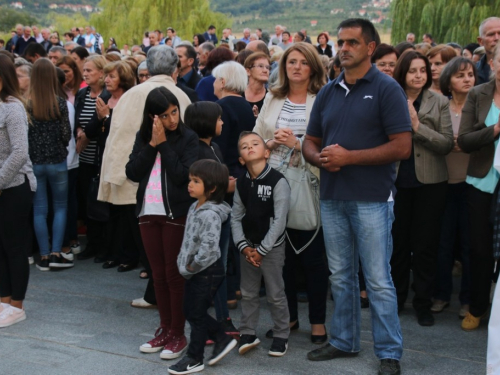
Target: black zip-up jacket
177	154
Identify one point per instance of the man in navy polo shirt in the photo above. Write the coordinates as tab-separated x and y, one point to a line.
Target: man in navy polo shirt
359	127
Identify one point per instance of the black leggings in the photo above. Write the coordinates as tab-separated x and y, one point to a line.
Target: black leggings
15	240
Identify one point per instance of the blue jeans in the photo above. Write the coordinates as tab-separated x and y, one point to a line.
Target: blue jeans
56	176
356	231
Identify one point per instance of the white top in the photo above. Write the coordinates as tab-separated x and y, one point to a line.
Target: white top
292	116
153	199
72	159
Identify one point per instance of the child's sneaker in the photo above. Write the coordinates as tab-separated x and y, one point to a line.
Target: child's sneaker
229	328
247	342
11	315
156	344
174	348
279	347
186	366
75	248
221	348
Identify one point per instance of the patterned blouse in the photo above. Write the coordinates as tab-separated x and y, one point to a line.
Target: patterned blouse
15	164
49	140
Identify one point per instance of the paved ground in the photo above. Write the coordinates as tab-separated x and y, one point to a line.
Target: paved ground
80	322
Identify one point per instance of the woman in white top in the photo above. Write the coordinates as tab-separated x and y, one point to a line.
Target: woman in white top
282	122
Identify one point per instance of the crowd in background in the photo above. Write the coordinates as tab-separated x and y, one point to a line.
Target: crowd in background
79	119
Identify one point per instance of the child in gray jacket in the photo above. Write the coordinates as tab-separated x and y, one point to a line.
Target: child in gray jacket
200	263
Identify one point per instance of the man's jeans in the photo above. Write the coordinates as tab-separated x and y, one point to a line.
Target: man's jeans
361	230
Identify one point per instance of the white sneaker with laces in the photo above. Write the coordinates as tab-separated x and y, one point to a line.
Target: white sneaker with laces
68	256
11	315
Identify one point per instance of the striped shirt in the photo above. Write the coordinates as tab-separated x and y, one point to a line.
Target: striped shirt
292	116
89	154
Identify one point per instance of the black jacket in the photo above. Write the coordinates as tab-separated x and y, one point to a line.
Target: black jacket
177	154
99	129
193	80
328	50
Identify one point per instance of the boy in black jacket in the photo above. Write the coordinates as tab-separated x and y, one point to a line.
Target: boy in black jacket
260	208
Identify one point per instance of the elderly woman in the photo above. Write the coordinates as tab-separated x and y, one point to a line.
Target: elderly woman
323	47
23	71
258	67
85	107
438	58
142	72
121	250
282	122
205	88
73	77
17	184
478	136
457	78
385	58
230	82
421	183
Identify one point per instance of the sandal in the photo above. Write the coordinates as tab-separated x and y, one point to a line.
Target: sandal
143	274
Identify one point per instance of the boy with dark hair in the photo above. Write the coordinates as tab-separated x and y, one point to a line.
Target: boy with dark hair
199	262
260	208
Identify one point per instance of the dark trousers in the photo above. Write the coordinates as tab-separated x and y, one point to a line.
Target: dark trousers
481	249
96	230
313	262
455	226
233	270
71	232
199	291
162	239
123	235
416	231
15	240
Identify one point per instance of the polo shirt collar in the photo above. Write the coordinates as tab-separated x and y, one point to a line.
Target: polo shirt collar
369	76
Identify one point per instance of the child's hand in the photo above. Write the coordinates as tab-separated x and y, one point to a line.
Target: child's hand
232	184
257	258
249	252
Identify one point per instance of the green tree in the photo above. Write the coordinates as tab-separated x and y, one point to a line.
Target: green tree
131	18
447	20
9	18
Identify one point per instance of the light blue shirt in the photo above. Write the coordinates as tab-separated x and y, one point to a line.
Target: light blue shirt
488	183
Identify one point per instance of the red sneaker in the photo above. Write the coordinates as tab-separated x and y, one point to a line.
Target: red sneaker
175	347
155	345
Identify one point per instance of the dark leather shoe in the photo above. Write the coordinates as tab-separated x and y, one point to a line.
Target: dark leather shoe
364	302
425	318
269	334
319	339
389	367
328	352
126	267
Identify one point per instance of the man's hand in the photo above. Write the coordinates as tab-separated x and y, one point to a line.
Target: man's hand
334	157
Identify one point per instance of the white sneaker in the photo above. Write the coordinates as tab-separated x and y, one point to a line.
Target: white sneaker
31	260
11	315
142	304
68	256
75	248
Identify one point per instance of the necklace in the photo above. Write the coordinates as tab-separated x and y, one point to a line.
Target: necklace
457	111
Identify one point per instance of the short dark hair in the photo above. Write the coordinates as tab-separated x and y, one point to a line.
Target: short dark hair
214	175
202	118
428	36
190	51
286	32
370	34
325	35
33	49
403	65
403	46
81	52
301	34
454	66
471	47
246	133
211	27
171	29
382	50
2	41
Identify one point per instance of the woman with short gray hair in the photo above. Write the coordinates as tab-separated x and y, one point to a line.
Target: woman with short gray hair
23	71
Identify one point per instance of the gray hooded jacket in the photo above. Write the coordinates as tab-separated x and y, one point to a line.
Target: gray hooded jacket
200	245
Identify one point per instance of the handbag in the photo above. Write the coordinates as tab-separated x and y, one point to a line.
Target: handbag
96	210
304	213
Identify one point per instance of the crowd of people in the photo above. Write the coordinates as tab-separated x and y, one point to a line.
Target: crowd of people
176	154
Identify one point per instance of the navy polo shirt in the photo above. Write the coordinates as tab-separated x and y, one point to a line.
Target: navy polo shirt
359	119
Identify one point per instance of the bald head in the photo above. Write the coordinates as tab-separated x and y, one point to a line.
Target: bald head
258	46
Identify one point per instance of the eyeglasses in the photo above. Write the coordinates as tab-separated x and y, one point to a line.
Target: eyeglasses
384	64
144	76
260	66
